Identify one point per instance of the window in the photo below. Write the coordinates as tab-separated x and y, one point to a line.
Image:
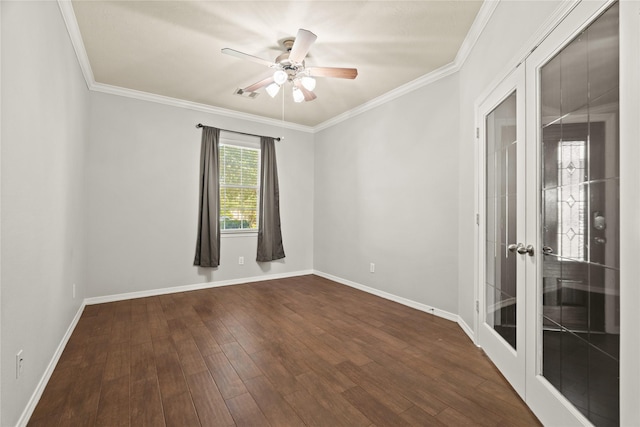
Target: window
239	182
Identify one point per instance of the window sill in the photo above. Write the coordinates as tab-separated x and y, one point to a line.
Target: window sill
233	233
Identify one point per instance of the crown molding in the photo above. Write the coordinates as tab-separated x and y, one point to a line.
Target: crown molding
483	16
180	103
391	95
69	17
479	23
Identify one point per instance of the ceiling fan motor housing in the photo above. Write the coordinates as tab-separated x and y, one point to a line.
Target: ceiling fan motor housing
292	69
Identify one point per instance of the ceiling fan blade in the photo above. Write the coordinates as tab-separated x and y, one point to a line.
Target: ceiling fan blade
301	45
308	95
341	73
262	83
241	55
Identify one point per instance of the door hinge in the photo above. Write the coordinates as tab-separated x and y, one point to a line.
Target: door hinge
477	306
477	133
477	219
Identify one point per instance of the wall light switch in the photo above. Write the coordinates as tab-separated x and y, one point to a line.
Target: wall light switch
372	268
241	260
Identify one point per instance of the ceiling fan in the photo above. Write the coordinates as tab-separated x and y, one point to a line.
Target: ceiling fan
290	67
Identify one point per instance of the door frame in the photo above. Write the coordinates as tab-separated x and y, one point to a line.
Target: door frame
629	211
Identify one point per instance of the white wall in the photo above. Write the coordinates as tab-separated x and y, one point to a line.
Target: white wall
143	166
510	29
386	185
44	128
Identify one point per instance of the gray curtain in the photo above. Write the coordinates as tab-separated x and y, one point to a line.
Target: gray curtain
269	234
208	243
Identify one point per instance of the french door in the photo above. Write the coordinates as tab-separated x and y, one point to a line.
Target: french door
549	229
502	264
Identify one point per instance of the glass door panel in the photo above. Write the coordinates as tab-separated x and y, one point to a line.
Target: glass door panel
580	285
501	220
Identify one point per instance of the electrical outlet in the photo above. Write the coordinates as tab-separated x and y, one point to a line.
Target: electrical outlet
241	260
19	364
73	290
372	268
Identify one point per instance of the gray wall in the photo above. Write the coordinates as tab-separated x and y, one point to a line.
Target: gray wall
45	118
143	166
395	185
386	187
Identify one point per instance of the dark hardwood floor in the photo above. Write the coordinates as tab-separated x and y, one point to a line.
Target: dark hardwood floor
291	352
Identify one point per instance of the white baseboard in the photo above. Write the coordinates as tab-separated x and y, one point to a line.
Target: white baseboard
467	329
401	300
37	394
194	287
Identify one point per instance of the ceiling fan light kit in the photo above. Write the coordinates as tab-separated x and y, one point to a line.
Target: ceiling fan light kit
290	67
280	77
273	89
298	96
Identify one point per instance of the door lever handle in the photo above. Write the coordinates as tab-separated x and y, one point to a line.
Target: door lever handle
522	249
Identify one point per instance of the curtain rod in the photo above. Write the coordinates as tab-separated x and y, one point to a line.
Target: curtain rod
200	125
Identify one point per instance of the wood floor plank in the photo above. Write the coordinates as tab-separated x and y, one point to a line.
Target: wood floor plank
395	379
272	404
394	401
312	413
146	403
219	331
417	417
205	341
376	411
113	409
332	400
226	378
118	361
452	417
85	394
245	411
179	411
170	376
142	362
241	361
291	353
75	419
319	347
208	401
295	351
281	378
191	360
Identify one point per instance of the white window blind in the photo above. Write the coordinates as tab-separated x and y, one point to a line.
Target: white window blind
239	184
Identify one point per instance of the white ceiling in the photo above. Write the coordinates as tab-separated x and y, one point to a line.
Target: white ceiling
172	48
